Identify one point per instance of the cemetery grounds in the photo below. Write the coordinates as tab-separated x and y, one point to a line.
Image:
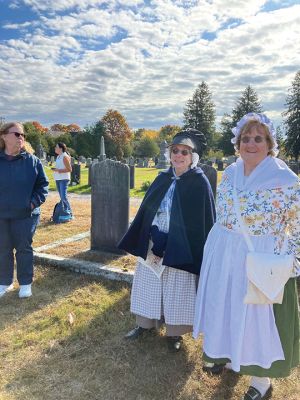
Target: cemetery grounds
66	342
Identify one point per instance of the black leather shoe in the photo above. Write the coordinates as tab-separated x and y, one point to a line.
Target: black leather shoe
215	369
254	394
135	333
175	343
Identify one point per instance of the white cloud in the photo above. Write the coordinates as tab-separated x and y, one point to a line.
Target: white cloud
157	58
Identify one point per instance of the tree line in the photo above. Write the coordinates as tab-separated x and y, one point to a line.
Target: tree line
199	113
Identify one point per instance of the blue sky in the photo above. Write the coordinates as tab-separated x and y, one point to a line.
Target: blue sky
69	61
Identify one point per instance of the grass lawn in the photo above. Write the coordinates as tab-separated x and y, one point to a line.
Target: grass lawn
66	343
141	175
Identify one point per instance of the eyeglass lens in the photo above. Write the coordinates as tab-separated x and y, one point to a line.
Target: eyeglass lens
257	139
18	134
183	152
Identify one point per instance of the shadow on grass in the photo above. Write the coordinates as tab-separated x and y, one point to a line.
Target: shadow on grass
104	257
96	362
225	388
47	288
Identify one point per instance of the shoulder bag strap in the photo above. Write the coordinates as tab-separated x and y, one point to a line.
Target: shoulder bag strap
238	214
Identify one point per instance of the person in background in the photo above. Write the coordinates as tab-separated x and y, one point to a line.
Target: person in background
168	234
259	340
23	188
62	174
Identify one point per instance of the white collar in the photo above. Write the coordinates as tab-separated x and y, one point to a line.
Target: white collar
270	173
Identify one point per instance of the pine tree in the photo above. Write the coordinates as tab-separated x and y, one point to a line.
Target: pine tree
200	112
248	102
292	119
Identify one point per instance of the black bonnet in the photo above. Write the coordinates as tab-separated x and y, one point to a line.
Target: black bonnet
192	138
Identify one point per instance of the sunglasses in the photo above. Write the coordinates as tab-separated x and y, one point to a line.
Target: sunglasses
257	139
183	152
18	134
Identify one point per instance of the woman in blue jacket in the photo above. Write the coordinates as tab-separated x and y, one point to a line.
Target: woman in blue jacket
168	235
23	188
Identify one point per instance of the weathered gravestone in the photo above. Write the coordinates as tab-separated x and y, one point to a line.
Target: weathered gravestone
110	204
75	174
132	172
162	160
211	174
95	161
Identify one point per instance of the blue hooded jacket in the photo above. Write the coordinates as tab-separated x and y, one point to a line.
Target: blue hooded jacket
22	182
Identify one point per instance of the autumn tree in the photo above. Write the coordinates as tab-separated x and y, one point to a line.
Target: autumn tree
39	127
35	136
199	112
167	132
73	128
117	134
292	119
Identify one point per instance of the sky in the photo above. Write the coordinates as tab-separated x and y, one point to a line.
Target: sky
69	61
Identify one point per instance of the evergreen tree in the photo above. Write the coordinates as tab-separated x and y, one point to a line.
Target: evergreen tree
292	119
200	112
248	102
226	135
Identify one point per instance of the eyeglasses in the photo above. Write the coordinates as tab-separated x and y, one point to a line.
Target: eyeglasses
257	139
183	152
18	134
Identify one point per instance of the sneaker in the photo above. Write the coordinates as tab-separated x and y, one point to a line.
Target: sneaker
25	291
5	288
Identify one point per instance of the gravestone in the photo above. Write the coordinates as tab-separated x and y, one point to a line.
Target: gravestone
211	174
75	174
220	165
102	155
95	161
231	160
131	160
132	172
110	204
294	167
162	160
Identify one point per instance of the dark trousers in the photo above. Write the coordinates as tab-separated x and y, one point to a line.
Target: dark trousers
17	234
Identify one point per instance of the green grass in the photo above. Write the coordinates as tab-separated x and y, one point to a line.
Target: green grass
141	175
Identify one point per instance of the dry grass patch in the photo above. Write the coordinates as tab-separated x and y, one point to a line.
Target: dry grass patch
66	342
81	250
47	232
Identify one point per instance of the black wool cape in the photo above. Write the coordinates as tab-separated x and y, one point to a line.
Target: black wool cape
192	217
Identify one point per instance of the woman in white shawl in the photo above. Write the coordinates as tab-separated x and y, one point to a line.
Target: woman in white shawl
260	340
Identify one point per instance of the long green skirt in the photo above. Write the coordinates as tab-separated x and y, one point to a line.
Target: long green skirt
287	322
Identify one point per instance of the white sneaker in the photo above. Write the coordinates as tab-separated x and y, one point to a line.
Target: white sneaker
25	291
5	288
